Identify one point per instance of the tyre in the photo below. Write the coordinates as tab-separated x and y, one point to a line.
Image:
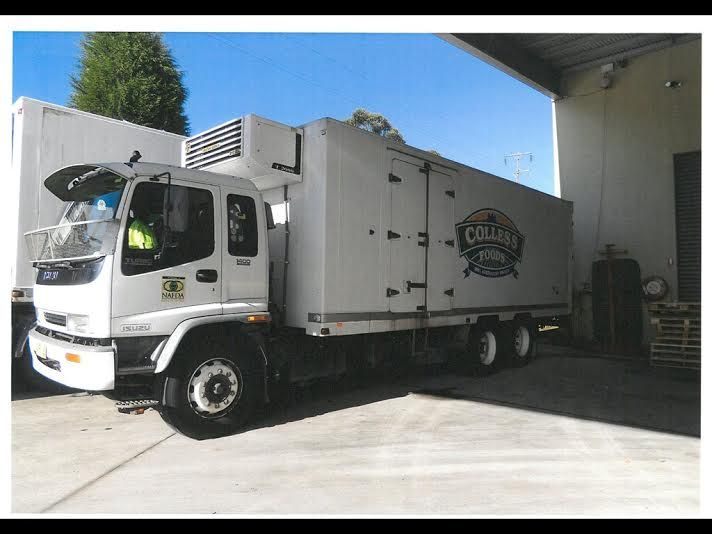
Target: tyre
483	350
523	344
212	388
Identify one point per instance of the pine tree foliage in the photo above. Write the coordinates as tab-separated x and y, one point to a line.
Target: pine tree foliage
130	76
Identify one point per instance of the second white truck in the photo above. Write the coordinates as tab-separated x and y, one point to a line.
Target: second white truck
46	137
173	289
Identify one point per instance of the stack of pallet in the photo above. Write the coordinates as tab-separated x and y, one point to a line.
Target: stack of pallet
678	334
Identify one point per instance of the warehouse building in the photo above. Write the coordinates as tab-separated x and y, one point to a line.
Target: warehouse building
627	152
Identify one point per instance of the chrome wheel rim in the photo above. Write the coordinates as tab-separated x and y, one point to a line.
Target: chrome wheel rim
214	388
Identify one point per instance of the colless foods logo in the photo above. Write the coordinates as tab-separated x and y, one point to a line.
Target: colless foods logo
491	244
173	288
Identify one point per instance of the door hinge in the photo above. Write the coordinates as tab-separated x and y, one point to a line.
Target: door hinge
393	235
450	292
450	242
391	292
394	179
450	193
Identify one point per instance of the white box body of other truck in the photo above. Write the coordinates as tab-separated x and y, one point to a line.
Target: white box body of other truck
47	137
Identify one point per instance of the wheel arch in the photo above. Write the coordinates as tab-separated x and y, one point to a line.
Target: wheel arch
487	322
228	325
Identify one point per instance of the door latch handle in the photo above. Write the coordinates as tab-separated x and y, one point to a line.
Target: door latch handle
207	275
416	285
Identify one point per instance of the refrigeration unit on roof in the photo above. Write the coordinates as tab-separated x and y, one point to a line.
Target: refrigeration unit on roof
266	152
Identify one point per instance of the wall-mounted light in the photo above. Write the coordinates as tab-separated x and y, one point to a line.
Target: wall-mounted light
673	84
606	72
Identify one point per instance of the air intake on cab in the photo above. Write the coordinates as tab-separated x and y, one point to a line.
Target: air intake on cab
266	152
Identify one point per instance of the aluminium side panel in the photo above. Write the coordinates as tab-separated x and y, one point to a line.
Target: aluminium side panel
307	230
513	248
357	212
494	247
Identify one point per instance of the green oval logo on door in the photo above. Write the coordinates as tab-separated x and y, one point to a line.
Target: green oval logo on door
173	285
173	288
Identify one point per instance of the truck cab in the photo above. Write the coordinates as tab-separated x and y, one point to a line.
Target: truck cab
148	261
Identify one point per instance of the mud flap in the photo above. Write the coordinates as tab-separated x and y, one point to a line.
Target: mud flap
170	392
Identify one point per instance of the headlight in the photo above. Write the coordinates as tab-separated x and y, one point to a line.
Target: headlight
78	323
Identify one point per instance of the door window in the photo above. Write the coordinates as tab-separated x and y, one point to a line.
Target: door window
167	227
241	226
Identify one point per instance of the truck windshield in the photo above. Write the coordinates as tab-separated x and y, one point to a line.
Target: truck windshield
99	208
88	227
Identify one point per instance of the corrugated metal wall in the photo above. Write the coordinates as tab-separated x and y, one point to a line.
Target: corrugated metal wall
688	212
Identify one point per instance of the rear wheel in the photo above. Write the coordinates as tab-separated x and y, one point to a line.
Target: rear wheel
523	344
483	350
211	390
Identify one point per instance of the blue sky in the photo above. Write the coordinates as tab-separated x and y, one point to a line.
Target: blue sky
436	95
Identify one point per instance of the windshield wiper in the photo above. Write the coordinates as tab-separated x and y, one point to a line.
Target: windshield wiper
84	177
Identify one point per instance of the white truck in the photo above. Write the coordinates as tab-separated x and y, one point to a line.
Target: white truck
387	253
47	137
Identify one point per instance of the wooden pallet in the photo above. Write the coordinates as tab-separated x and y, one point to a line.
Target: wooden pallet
673	355
683	330
678	329
674	308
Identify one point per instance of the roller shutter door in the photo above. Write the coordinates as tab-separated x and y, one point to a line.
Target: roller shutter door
688	214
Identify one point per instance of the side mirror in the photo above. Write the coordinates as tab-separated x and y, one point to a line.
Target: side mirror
270	218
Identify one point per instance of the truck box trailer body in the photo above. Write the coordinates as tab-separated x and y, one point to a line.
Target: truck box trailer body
45	138
383	237
387	253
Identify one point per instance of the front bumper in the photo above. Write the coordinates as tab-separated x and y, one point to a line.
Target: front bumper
92	368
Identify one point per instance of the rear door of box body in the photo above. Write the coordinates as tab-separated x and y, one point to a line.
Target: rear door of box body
441	239
407	236
421	237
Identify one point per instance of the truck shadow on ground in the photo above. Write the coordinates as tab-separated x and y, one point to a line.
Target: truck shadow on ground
622	392
629	393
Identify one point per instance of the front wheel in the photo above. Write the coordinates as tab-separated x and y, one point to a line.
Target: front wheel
211	391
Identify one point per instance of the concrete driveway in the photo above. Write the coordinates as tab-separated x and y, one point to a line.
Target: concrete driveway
512	443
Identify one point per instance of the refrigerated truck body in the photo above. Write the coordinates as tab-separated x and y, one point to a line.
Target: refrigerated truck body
45	138
387	253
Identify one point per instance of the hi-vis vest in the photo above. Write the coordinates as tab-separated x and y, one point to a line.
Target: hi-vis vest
141	236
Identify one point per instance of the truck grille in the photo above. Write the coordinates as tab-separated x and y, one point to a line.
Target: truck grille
214	146
77	340
55	318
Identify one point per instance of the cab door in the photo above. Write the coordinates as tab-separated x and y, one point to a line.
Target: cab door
155	289
244	252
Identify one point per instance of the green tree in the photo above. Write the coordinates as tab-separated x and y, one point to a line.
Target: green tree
376	123
130	76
